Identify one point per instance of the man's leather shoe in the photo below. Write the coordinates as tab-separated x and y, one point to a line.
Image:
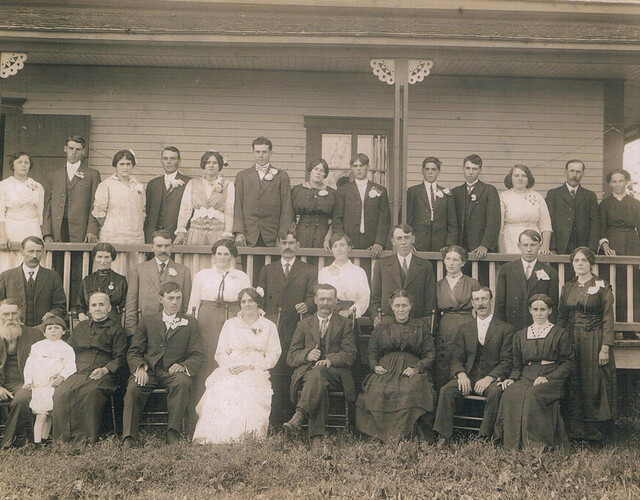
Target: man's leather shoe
128	443
294	426
442	443
172	436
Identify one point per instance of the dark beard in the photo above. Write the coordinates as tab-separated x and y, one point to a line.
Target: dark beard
10	332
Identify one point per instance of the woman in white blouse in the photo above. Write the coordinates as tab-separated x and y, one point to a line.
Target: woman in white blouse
350	280
120	202
522	208
21	206
214	299
208	203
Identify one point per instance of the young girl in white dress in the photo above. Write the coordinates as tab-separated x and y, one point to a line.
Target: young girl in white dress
49	363
237	399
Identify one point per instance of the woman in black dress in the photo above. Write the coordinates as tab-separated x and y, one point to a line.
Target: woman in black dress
529	412
619	227
103	279
312	205
398	399
586	311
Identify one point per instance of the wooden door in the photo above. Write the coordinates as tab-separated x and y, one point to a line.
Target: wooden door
43	138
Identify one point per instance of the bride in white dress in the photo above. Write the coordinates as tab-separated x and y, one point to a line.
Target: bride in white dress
237	399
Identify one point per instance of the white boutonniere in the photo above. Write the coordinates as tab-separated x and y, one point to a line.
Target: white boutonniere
531	199
172	272
256	331
323	192
270	173
474	198
176	183
219	184
260	291
80	175
31	184
110	287
592	290
541	274
446	191
439	194
374	193
178	322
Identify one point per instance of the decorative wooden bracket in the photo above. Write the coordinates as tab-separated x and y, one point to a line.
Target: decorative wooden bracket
385	70
11	63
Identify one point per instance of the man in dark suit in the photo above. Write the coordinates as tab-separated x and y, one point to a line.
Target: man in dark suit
574	213
37	290
431	211
263	208
288	286
361	209
15	345
480	357
478	207
164	195
147	278
519	280
405	271
322	351
167	352
68	201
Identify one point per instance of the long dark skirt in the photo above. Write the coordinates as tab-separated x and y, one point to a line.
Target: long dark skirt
78	404
447	329
529	416
391	404
593	393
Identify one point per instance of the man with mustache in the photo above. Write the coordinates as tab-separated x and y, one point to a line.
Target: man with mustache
147	278
480	356
37	290
15	345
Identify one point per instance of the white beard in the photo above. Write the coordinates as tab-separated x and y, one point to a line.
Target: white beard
10	332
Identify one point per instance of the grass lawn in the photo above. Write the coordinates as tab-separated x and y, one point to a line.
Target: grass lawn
343	466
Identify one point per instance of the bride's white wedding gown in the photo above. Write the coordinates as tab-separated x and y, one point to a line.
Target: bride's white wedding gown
237	405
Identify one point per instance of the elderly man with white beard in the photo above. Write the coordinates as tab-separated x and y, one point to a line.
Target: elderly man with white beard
15	344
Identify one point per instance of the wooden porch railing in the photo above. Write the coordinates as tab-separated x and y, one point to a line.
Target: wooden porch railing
627	350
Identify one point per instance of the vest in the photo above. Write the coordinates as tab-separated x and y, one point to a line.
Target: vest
163	204
12	372
478	370
29	302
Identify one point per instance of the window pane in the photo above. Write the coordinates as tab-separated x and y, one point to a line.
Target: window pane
375	147
336	150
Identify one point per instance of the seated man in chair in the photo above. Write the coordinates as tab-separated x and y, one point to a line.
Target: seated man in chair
166	352
322	351
480	356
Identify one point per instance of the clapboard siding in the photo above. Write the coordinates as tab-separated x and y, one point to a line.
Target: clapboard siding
541	123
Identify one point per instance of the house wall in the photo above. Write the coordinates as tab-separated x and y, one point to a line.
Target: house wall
541	123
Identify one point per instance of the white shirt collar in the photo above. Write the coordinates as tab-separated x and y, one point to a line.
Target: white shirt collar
483	327
159	262
168	319
285	262
571	188
26	270
328	318
408	257
263	168
74	166
619	197
429	184
362	182
472	185
525	263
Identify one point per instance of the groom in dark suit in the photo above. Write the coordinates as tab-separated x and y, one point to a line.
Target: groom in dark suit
480	356
574	213
322	352
166	351
288	286
263	208
68	200
520	279
405	271
37	290
431	210
164	195
361	209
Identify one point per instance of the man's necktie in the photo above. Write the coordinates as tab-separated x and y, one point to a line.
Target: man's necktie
287	268
405	268
573	193
528	270
220	297
431	200
162	267
31	281
323	327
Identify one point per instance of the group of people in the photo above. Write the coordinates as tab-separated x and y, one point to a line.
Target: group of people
236	358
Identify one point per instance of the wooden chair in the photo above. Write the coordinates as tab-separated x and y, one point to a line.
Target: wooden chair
155	413
468	416
338	415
